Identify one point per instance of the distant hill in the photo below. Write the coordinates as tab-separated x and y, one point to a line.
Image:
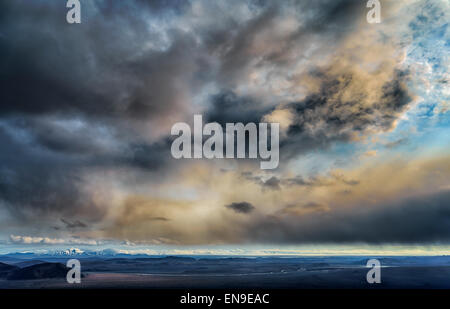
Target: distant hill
5	269
27	263
39	271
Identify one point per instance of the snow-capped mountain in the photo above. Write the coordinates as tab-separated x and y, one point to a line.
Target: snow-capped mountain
72	252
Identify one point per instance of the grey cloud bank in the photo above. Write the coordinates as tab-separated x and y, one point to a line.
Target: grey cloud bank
87	110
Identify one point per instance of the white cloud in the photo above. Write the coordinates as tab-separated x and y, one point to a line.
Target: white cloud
50	241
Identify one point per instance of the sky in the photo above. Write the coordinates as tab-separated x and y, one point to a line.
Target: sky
87	109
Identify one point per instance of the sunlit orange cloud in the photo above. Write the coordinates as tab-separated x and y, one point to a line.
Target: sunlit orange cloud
201	217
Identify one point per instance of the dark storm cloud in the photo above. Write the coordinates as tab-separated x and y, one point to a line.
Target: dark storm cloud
418	219
238	54
165	5
42	178
273	183
101	68
73	225
276	183
65	137
333	20
241	207
35	183
300	181
227	107
101	71
327	116
235	43
151	157
78	97
71	95
98	68
337	16
80	143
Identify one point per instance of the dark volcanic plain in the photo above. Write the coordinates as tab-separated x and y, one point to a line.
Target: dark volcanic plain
228	272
